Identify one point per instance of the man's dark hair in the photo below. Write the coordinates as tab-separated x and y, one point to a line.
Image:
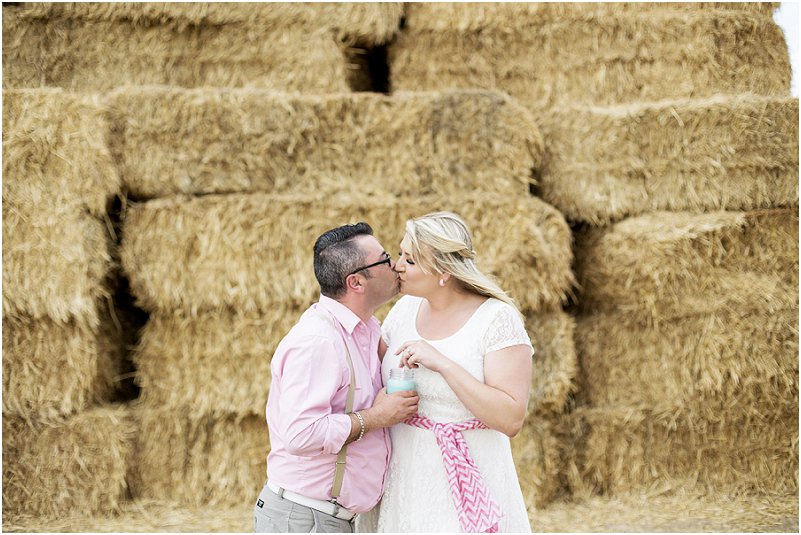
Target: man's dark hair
336	255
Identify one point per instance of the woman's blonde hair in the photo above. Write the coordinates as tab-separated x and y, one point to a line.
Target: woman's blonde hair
441	242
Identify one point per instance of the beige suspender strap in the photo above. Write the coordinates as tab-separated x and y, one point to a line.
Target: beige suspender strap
339	471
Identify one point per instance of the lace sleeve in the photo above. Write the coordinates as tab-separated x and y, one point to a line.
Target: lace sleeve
505	330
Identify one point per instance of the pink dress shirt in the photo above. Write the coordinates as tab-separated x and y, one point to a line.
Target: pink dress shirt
306	408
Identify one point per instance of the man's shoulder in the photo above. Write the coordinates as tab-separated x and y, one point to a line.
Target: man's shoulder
312	324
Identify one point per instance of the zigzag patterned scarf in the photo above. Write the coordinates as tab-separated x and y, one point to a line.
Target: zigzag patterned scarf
477	511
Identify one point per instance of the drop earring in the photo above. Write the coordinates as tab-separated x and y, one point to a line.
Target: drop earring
441	282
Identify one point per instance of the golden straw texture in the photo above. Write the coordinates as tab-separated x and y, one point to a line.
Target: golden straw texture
252	252
631	512
52	369
726	152
74	466
707	359
595	59
665	265
538	454
54	265
56	168
55	152
473	16
99	56
239	140
372	23
215	363
636	511
555	365
206	461
622	449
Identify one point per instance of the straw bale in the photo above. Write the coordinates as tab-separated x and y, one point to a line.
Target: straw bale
555	362
99	55
697	359
54	263
253	251
214	363
76	465
206	461
603	59
664	264
692	512
657	451
55	152
725	152
538	455
369	23
52	369
476	16
236	140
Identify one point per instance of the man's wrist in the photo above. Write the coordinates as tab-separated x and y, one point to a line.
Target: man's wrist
369	417
362	427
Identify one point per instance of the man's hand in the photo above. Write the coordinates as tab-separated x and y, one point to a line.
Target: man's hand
390	409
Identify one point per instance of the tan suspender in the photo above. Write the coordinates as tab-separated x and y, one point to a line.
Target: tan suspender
339	472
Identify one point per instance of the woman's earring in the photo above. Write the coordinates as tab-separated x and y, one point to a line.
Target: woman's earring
441	282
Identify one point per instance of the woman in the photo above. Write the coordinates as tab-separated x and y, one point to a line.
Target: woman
472	358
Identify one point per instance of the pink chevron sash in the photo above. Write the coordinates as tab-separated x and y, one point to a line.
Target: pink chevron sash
477	511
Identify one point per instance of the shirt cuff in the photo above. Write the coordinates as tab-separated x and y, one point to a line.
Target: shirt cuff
339	426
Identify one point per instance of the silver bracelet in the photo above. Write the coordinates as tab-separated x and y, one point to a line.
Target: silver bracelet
361	425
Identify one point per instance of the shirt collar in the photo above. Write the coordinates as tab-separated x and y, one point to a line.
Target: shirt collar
343	314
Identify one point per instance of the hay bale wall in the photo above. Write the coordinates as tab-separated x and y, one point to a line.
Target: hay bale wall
232	250
586	57
721	153
52	369
198	461
90	47
662	263
74	465
686	340
61	350
225	141
657	452
688	351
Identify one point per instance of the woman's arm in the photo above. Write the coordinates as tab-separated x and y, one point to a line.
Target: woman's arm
500	402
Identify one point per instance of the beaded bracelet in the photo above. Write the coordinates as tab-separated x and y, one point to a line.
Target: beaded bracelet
361	425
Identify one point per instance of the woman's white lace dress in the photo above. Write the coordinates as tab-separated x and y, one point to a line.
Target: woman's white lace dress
416	494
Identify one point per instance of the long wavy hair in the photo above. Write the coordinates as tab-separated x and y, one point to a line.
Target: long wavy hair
440	242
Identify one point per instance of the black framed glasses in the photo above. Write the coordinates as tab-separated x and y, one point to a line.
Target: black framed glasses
387	260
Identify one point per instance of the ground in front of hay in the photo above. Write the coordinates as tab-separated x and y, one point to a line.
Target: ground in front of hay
620	514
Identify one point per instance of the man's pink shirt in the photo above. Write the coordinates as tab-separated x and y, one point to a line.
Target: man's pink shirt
306	408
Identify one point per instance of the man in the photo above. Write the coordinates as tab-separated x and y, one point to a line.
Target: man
312	484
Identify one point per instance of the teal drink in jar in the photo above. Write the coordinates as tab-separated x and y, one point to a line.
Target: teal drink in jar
400	379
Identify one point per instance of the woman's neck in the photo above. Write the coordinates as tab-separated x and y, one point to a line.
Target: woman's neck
449	299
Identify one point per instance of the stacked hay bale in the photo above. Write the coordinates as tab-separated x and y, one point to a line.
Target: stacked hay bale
688	342
686	332
226	275
552	54
62	351
96	46
630	97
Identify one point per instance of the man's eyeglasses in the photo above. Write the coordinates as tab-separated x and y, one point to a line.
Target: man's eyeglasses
387	260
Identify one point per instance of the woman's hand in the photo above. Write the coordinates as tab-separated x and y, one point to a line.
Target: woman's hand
420	353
